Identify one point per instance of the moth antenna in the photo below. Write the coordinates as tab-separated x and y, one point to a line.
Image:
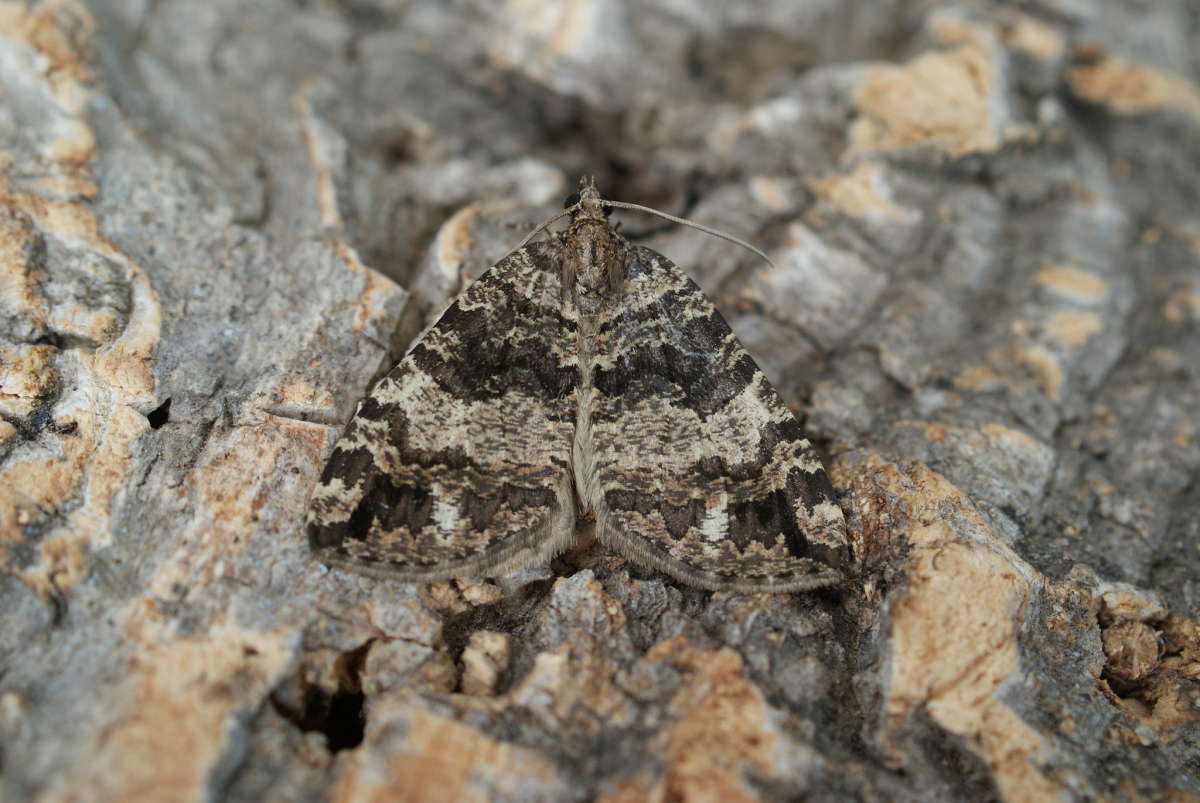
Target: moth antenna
543	227
683	222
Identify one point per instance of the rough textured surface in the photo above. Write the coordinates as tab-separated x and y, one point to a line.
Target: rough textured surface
220	221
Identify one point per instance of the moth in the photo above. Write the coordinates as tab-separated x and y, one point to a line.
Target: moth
582	376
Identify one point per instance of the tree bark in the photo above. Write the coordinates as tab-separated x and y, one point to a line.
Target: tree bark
219	222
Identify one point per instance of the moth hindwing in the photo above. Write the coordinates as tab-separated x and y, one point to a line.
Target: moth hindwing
580	376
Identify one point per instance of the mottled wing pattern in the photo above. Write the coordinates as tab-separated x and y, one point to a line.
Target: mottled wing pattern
699	468
458	462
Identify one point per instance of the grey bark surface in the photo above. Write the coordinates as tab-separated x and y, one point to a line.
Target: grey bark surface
219	222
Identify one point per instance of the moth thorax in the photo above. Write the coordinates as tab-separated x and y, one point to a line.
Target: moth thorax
594	261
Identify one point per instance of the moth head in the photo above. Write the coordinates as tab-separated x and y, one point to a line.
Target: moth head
587	203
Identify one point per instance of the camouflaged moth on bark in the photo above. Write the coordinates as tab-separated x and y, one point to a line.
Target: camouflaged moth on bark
580	376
